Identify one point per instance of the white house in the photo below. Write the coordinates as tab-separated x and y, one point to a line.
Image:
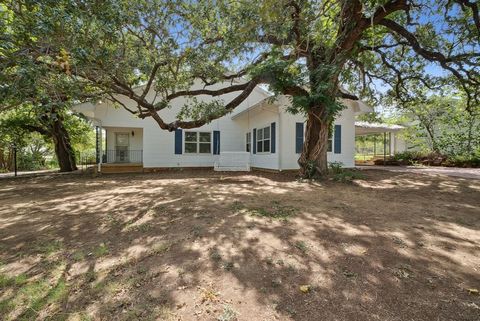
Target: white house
271	137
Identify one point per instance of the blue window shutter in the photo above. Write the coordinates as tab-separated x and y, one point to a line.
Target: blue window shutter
178	141
254	140
298	137
272	138
337	137
216	142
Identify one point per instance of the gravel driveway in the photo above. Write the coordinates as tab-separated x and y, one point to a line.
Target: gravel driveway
448	171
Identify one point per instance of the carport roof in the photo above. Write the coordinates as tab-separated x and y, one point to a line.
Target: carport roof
364	128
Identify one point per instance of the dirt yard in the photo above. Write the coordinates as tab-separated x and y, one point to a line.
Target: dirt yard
205	246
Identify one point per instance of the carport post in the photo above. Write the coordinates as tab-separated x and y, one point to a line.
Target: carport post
384	148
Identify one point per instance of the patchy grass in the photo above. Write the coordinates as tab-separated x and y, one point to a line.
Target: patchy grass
340	174
161	248
78	255
6	281
49	247
30	298
228	314
142	228
275	211
101	250
347	176
237	206
349	274
228	266
213	246
215	255
302	246
209	294
403	271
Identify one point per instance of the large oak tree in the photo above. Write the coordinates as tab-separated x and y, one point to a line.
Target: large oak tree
34	97
304	49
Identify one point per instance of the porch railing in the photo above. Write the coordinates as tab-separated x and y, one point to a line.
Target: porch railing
122	156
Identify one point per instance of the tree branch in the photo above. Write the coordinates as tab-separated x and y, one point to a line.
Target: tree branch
354	23
247	90
432	55
474	7
209	92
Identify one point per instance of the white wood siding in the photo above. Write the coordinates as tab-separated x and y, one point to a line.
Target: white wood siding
158	145
135	142
288	156
261	118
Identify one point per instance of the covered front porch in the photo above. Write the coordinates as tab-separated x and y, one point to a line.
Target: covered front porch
120	149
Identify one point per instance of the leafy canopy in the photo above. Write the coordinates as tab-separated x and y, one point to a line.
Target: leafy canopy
301	48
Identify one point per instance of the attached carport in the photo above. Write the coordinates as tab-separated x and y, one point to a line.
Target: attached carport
385	137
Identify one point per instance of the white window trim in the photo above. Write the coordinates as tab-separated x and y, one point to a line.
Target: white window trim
332	138
198	143
122	133
248	141
269	139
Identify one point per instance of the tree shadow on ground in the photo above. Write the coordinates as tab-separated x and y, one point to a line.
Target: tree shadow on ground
203	245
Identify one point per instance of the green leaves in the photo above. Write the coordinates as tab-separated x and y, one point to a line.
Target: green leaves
303	49
195	109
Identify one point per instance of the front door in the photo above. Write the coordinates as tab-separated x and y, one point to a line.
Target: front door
121	147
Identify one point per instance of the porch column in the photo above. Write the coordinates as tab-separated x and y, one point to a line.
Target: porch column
99	148
393	139
384	148
390	143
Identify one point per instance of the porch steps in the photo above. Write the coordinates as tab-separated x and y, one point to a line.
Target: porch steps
122	168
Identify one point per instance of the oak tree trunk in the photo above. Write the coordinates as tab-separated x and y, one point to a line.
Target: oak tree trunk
63	148
313	159
6	159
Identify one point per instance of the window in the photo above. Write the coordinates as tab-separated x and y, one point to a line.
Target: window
248	142
263	140
198	142
330	142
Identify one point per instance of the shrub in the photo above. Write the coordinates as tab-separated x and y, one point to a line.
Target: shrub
407	157
340	174
431	159
463	161
29	161
310	169
335	167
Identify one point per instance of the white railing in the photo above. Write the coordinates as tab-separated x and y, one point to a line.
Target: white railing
233	161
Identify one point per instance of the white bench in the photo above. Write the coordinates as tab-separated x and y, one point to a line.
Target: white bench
233	161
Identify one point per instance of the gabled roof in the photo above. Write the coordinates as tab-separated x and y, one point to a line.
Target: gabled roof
258	105
359	107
